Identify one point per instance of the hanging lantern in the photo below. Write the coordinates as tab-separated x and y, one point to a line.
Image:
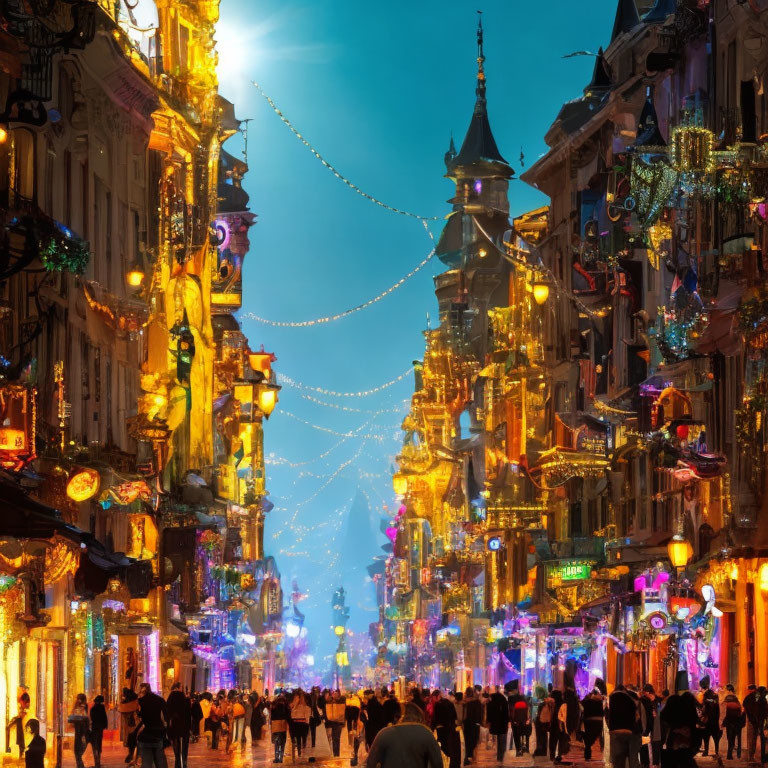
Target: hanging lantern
268	398
692	149
261	362
540	291
83	485
135	275
680	551
763	573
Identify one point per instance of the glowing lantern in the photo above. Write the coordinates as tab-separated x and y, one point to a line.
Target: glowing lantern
135	276
680	551
764	577
400	484
268	398
83	485
261	362
3	135
540	291
338	630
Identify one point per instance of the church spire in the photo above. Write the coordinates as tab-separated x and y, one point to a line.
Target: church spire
479	146
480	90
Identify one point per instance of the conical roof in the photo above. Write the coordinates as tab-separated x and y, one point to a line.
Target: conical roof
627	18
601	79
479	146
648	133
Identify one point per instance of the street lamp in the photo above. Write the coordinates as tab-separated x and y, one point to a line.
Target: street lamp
680	551
135	275
540	291
267	398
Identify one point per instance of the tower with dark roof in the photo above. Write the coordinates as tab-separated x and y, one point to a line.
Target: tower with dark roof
601	78
627	18
481	176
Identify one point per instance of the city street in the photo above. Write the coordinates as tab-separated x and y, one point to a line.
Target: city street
260	756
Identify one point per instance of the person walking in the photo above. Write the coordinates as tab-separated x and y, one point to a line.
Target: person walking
519	717
16	725
734	720
543	720
237	723
373	717
334	720
34	754
257	720
623	719
80	722
709	720
593	705
649	713
444	722
129	721
300	713
99	724
179	724
390	706
756	709
408	744
473	717
317	713
680	715
153	715
497	715
278	720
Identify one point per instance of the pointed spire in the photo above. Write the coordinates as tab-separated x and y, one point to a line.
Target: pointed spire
648	133
480	90
601	78
479	145
627	18
450	154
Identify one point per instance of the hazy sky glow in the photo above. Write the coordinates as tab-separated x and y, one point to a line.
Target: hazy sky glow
377	88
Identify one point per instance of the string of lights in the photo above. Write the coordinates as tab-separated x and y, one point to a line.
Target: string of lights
521	262
352	310
350	409
287	380
331	168
368	436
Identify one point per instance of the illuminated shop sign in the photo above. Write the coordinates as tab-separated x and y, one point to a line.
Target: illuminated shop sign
568	570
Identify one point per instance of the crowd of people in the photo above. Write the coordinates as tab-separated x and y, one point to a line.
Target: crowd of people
631	727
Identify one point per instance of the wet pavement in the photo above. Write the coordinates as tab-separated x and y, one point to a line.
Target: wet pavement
261	754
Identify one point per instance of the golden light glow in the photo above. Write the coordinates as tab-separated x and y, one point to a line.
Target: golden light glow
679	550
135	276
3	135
338	630
83	485
540	291
400	484
267	398
764	577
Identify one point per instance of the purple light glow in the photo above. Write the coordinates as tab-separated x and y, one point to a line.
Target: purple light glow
478	186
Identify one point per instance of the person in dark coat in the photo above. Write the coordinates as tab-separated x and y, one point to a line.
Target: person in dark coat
497	715
257	722
558	736
196	713
373	717
444	721
180	716
391	707
34	756
681	716
733	720
409	744
99	724
756	709
473	717
710	721
594	713
520	717
418	700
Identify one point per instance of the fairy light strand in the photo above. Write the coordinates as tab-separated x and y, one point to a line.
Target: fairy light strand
333	170
352	310
320	428
350	409
288	381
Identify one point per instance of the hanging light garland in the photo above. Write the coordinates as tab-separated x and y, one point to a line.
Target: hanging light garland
333	170
287	380
320	428
347	312
350	409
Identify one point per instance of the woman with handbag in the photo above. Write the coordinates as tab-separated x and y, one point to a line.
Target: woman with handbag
300	715
80	720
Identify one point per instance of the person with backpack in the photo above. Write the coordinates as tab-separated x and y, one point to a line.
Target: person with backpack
734	721
519	716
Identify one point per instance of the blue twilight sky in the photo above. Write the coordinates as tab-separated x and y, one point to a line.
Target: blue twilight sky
377	87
